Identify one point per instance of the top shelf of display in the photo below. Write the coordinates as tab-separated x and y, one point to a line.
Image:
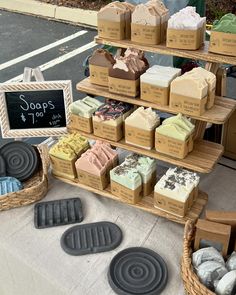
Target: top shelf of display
200	54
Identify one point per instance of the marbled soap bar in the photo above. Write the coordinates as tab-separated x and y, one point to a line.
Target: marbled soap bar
9	185
146	15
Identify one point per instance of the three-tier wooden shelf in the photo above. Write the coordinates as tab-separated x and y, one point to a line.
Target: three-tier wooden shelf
204	155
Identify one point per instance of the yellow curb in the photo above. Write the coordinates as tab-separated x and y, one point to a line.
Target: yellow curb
65	14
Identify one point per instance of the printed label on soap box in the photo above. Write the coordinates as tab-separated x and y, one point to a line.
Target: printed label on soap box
102	129
111	30
139	137
98	75
170	205
124	87
155	94
94	181
223	43
172	146
188	105
63	166
126	194
145	34
81	123
184	39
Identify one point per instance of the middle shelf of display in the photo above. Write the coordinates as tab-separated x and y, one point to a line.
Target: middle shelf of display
147	203
218	114
202	159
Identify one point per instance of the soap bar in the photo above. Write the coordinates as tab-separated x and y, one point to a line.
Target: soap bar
227	24
227	285
143	118
126	176
9	185
209	272
190	86
186	19
101	57
207	254
85	107
145	15
231	262
2	167
180	121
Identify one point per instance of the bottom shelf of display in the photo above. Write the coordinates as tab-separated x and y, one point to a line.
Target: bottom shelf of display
147	202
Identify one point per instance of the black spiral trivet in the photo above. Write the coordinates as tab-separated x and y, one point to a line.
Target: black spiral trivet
2	167
137	271
21	159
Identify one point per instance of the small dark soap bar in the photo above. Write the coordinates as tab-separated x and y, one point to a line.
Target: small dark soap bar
58	212
91	238
2	167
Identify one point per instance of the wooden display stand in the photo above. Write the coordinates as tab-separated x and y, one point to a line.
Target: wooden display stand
204	155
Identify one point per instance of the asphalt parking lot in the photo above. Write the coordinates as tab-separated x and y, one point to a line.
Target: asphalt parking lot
58	49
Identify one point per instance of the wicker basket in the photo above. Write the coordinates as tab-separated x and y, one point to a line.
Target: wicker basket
34	189
191	281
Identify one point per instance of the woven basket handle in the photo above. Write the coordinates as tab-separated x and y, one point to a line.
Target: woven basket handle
188	230
43	149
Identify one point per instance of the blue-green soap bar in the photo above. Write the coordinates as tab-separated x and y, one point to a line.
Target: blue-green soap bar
9	185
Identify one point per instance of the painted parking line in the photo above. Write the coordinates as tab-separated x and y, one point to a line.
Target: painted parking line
42	49
57	60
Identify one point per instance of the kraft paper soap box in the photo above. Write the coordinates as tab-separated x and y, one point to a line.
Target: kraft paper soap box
225	217
212	234
146	34
172	206
184	39
81	123
123	86
104	130
223	43
126	194
156	94
139	137
188	105
97	182
173	147
111	30
63	168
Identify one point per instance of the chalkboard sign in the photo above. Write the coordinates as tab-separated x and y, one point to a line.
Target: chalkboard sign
34	108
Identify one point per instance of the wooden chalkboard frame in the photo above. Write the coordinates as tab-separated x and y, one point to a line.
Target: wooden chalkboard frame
7	132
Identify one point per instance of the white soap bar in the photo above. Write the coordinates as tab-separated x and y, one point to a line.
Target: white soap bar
166	70
172	189
227	285
231	262
156	79
195	87
207	254
209	272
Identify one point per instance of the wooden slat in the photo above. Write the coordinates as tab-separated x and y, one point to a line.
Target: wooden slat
147	203
218	114
201	54
202	159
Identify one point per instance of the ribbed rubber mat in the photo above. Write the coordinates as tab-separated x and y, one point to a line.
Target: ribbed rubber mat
91	238
58	212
